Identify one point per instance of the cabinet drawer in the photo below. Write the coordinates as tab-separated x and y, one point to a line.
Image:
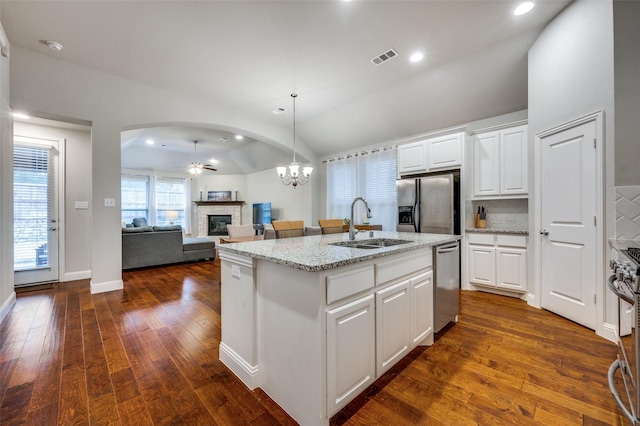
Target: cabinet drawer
512	241
349	282
390	270
484	239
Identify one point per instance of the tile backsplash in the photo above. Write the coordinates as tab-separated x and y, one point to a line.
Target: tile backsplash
505	214
628	212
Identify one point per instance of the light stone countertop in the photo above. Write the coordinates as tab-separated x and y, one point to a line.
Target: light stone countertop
315	253
499	230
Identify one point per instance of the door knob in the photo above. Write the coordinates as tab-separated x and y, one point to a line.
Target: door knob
53	228
544	232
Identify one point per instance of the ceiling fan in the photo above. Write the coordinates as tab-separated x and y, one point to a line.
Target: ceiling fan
196	168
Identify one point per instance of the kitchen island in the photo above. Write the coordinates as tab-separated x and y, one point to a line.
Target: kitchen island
315	320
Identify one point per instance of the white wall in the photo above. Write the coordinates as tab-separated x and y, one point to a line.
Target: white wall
571	75
286	203
40	83
77	223
7	294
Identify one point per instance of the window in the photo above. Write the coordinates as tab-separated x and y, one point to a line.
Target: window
153	198
371	176
169	197
135	198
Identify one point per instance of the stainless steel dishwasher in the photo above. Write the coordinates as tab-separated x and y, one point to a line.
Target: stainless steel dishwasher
447	284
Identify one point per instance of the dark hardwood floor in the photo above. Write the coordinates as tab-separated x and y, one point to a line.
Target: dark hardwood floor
149	355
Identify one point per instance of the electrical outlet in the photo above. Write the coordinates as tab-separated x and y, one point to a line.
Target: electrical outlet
510	221
109	202
235	271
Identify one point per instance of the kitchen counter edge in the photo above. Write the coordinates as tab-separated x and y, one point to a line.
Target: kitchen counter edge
316	253
498	231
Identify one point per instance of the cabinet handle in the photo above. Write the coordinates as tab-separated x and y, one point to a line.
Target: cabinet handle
544	232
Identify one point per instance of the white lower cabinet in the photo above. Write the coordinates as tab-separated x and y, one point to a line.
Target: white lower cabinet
497	260
422	307
393	325
350	351
373	320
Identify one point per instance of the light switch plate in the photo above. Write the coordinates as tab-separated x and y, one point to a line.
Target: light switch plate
82	205
109	202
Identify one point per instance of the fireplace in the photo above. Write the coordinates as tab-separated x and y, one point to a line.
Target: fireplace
218	224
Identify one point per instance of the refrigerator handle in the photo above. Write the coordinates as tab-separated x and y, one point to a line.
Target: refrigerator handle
417	214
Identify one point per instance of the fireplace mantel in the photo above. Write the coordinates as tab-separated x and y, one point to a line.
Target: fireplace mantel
218	203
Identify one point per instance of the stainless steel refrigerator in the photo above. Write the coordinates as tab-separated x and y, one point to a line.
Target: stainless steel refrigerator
431	204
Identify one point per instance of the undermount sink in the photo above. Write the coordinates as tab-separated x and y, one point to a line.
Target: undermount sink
370	244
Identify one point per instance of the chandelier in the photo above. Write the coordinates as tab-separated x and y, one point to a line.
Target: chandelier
290	175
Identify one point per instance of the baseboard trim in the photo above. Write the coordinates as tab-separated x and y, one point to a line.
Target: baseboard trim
106	286
609	332
248	374
7	305
75	276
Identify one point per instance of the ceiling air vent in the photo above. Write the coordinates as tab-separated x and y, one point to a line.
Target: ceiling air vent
380	59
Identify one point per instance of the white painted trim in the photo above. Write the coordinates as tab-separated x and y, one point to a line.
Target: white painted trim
7	305
249	374
75	276
609	332
601	229
236	258
501	127
106	286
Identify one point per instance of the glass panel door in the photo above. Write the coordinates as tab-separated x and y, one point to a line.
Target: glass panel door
35	195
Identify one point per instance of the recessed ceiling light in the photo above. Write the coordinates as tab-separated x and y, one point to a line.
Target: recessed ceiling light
239	137
278	111
213	161
223	139
523	8
149	141
21	116
416	57
54	45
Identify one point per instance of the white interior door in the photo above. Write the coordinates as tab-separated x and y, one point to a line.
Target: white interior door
568	213
35	206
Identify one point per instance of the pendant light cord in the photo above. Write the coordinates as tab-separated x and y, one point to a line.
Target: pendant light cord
294	96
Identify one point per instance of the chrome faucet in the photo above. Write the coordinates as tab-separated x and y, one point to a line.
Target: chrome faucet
352	229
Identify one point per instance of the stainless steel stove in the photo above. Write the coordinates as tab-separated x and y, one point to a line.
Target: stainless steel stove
625	283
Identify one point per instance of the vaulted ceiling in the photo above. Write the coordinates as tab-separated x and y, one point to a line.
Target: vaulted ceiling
250	55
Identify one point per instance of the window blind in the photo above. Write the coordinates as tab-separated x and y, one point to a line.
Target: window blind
32	183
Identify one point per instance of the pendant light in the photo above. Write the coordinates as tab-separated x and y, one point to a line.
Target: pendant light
290	175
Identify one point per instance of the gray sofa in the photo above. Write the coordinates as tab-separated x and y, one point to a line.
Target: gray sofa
145	246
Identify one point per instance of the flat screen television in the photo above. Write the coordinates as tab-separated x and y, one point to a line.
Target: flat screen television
261	213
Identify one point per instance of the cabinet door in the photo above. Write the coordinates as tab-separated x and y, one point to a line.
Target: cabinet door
482	264
412	158
486	160
511	268
422	307
350	351
513	161
393	325
444	152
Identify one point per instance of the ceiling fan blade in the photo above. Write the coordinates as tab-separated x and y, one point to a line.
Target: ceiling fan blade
208	167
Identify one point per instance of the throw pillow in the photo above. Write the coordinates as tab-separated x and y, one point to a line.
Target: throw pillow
140	221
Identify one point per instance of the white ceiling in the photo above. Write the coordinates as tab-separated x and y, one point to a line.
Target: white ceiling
248	56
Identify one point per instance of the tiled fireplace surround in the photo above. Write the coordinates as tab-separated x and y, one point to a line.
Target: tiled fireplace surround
235	211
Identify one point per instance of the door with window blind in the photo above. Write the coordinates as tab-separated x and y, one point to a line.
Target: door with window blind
35	206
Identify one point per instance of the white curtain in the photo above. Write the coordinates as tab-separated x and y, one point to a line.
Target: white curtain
370	175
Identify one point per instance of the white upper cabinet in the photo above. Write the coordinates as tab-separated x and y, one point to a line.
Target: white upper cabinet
433	154
500	163
445	152
412	158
